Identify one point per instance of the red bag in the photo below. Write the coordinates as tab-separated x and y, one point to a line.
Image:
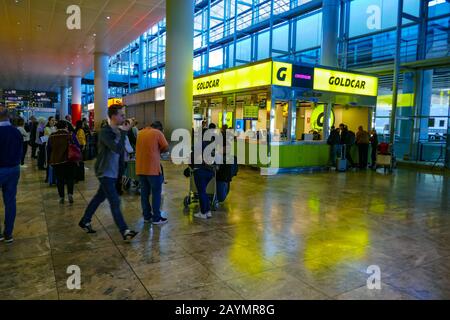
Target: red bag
74	153
383	148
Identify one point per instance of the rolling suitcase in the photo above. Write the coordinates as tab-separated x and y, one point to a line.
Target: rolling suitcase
341	163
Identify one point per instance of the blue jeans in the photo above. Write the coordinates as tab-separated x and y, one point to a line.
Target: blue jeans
202	177
107	190
334	152
9	178
223	188
151	185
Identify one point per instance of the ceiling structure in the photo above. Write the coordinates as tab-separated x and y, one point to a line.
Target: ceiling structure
39	52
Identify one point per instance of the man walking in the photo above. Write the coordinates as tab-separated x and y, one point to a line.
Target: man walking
150	144
12	144
108	169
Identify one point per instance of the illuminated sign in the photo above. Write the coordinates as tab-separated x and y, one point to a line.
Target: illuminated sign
251	112
287	75
344	82
242	78
228	119
403	100
282	74
114	101
160	94
303	77
317	118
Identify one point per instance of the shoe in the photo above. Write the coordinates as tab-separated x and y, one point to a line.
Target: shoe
160	221
147	221
70	199
61	200
87	227
209	215
201	216
2	237
129	235
8	239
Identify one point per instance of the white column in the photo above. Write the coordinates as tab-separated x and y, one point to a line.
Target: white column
179	65
100	87
330	27
76	99
64	104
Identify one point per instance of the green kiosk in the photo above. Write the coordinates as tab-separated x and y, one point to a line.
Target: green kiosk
282	112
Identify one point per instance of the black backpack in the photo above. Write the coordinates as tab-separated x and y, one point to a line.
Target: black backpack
351	138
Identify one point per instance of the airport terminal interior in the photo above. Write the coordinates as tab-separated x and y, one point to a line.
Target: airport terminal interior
337	111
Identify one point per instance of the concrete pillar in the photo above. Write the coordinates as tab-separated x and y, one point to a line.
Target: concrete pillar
141	63
179	65
328	109
425	102
76	99
64	104
100	88
330	27
405	122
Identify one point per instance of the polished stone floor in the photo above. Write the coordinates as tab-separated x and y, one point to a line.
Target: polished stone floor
307	236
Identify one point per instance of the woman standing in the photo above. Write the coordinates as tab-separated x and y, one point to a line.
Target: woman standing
26	139
58	145
49	129
39	141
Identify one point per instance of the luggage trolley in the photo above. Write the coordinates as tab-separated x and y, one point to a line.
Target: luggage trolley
130	179
211	191
385	157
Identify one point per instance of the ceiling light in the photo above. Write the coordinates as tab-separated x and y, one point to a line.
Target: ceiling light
108	17
94	34
18	22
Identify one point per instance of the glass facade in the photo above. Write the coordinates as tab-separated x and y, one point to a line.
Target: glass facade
230	33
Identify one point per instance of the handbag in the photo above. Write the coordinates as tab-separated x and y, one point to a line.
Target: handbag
74	153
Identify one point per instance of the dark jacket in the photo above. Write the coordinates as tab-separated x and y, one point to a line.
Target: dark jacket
33	129
374	140
107	145
11	141
334	138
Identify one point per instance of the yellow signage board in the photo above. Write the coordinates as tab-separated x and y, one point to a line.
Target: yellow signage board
403	100
114	101
282	74
243	78
344	82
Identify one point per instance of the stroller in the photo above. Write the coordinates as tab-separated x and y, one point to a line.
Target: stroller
385	157
211	190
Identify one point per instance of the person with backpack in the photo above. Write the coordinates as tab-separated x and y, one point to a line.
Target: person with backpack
58	147
348	140
334	142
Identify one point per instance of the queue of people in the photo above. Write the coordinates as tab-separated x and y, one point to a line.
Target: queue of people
341	141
